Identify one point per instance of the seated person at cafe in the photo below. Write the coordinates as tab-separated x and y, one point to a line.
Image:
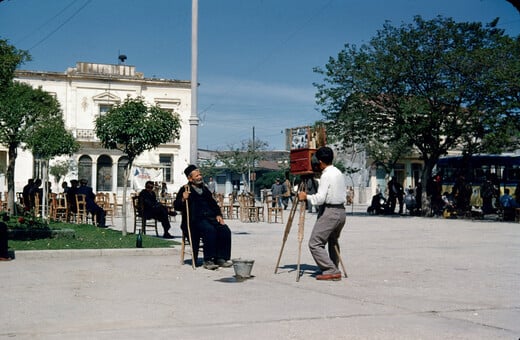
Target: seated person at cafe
92	206
509	205
151	208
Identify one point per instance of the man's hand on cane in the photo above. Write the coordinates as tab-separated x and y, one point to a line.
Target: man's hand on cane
186	193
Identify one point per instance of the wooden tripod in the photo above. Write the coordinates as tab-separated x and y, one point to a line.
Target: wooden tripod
301	223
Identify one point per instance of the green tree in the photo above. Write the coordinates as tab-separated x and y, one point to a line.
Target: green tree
10	59
31	118
133	127
209	168
242	159
60	169
433	86
49	138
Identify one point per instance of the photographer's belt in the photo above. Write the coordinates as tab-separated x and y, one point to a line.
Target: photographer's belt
334	205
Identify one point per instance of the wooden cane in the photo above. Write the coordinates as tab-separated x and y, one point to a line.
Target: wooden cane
193	260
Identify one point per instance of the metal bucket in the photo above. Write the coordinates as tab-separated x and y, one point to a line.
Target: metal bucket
242	267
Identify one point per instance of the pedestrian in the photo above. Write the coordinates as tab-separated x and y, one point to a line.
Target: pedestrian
330	197
395	193
212	186
277	190
287	195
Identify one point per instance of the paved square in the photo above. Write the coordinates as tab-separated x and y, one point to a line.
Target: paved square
409	278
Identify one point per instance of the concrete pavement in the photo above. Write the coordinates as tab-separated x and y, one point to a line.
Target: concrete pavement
409	278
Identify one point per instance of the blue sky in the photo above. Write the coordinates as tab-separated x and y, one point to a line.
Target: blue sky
256	57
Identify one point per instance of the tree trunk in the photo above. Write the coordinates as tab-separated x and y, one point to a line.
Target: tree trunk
126	175
11	205
426	203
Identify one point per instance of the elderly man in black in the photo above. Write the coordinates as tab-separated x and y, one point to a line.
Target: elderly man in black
205	220
154	209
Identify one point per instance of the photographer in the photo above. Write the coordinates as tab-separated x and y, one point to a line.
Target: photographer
331	216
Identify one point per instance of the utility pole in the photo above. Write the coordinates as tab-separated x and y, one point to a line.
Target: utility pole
194	119
253	166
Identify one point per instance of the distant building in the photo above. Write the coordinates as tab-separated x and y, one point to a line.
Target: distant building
91	89
228	181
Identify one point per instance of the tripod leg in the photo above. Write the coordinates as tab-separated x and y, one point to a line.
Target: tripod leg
288	226
286	233
301	224
340	260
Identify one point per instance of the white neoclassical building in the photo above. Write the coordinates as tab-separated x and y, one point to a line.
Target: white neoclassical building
91	89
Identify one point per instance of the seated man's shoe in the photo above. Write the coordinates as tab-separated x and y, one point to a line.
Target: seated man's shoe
329	277
224	263
172	213
210	265
168	235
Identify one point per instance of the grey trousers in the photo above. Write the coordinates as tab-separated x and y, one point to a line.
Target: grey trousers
327	230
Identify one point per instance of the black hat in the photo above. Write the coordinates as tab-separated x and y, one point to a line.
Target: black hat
189	169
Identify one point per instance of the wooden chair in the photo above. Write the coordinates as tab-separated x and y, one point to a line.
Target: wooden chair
59	209
37	205
275	211
187	249
226	206
115	205
260	213
103	200
248	210
167	201
140	220
82	215
4	200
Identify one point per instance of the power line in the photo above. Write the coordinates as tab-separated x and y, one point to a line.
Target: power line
61	25
39	28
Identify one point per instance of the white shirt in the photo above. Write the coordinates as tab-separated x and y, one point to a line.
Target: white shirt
332	188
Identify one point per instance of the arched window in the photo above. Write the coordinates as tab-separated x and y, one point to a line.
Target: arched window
121	165
104	173
85	168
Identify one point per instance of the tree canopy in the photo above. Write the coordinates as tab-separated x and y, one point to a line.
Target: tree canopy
431	86
31	118
10	59
134	127
50	138
242	159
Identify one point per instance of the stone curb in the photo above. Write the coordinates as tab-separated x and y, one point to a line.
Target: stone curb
82	253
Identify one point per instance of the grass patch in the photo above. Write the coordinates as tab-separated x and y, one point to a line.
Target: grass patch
89	237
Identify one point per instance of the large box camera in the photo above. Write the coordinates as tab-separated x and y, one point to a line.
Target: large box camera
304	143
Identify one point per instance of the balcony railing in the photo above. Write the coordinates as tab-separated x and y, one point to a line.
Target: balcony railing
89	135
86	135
